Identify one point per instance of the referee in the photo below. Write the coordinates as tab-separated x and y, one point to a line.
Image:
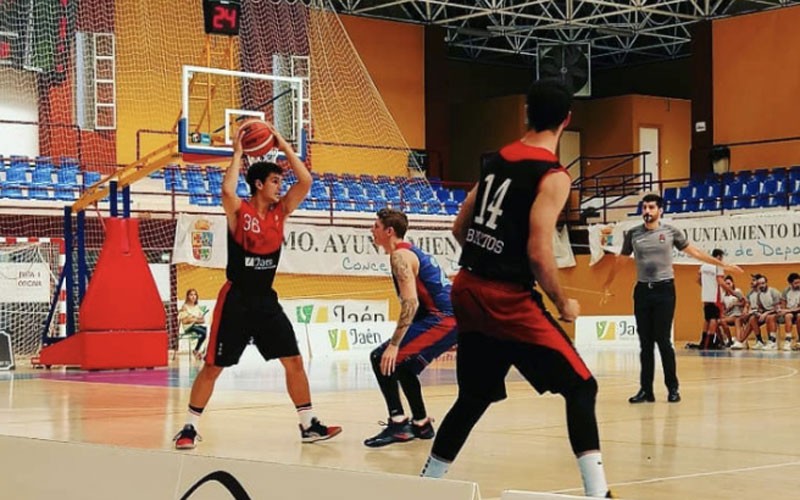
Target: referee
654	295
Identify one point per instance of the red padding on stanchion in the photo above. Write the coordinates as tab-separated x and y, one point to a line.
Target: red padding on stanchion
122	293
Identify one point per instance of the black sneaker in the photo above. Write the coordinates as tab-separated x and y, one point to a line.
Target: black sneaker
674	396
424	431
395	432
187	438
318	432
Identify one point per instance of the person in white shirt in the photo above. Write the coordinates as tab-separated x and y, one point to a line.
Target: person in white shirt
712	284
790	310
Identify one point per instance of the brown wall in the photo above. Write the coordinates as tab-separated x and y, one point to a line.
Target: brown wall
479	127
608	126
393	54
756	81
611	126
673	119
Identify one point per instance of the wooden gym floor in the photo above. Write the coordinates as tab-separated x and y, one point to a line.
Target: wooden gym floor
734	435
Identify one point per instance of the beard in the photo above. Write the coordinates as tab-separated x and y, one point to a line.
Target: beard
648	217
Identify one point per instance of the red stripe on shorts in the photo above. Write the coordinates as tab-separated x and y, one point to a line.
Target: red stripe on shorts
211	354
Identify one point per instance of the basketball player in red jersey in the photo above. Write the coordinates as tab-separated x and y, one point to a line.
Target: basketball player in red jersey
506	227
247	306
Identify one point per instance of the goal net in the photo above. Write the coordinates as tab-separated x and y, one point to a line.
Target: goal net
100	82
29	272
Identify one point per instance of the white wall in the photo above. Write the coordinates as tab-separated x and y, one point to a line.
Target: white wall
18	102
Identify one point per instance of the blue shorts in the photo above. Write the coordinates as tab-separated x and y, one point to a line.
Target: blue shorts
425	340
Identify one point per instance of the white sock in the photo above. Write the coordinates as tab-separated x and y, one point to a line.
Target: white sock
193	418
434	467
593	475
305	414
422	422
397	419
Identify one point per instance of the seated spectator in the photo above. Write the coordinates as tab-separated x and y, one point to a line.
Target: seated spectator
790	309
764	304
192	318
733	305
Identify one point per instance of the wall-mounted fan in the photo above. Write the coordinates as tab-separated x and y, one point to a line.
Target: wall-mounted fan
569	63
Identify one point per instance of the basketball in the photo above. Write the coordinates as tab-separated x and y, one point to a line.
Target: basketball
257	138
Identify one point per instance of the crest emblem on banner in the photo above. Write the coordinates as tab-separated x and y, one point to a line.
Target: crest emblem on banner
202	240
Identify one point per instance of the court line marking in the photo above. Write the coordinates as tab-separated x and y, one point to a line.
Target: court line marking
690	476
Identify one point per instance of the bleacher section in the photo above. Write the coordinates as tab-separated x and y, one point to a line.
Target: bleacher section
758	189
42	179
345	193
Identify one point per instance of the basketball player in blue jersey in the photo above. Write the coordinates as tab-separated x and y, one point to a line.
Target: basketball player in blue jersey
506	227
247	307
426	329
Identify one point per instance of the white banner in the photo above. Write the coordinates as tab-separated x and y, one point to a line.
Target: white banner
336	250
337	311
327	250
607	331
347	339
200	240
24	282
769	238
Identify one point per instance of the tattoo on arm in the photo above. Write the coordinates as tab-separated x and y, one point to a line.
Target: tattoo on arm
408	306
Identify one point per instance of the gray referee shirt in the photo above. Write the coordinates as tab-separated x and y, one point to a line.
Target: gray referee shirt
652	249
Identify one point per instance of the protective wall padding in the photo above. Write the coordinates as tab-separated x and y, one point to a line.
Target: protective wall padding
108	350
122	293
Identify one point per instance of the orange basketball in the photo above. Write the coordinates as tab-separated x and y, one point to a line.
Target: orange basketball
257	138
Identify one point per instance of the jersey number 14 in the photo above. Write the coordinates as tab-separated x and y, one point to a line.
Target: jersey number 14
497	201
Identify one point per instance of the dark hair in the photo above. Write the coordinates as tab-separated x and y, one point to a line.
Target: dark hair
189	291
792	277
729	277
259	171
653	197
394	219
549	103
717	253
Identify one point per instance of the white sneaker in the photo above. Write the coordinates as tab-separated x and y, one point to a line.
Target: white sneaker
737	346
787	345
758	346
771	346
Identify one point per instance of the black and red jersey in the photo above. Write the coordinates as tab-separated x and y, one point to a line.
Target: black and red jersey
254	248
496	246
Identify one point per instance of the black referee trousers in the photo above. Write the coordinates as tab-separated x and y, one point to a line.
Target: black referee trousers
654	307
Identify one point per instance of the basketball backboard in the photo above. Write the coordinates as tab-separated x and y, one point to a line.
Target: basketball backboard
216	101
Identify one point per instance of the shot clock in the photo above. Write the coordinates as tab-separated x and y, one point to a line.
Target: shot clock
222	17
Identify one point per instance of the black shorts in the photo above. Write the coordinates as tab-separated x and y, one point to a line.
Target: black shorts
241	318
710	311
483	362
503	325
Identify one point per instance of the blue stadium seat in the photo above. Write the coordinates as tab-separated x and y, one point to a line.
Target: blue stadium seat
670	193
16	178
761	174
173	179
338	192
41	179
66	188
196	186
242	189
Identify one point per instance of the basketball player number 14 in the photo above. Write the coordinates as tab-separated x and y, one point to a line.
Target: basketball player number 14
497	201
